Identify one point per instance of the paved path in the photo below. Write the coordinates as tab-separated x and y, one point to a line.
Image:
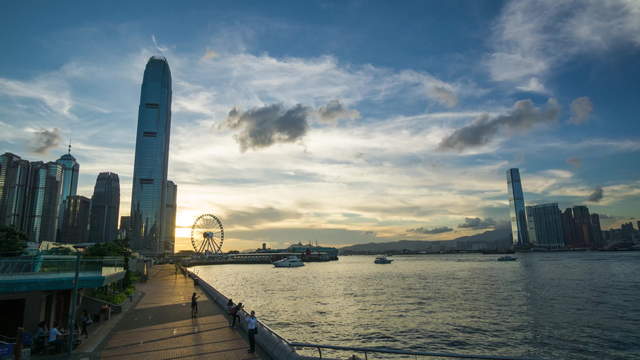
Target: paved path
160	326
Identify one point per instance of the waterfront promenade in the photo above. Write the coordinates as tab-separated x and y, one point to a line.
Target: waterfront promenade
160	325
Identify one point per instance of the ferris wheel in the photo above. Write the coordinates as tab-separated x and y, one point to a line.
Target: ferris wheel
207	235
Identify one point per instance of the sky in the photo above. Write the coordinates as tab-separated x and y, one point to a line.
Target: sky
340	122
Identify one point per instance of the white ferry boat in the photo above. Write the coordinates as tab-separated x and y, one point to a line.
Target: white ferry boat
383	260
291	261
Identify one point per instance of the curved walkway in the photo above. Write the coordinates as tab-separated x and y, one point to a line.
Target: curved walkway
160	325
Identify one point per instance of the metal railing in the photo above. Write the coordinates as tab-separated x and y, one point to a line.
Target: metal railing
366	351
51	264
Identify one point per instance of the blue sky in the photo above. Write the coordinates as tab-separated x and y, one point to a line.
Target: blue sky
341	122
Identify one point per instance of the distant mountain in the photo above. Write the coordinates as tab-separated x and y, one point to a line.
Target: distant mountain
499	238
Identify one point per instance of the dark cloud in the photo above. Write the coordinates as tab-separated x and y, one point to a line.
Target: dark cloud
577	162
335	110
478	223
581	109
265	126
596	195
254	216
481	131
45	140
444	95
437	230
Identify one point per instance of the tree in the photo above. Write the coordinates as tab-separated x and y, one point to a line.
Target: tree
12	241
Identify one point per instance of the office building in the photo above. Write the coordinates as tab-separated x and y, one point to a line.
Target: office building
149	188
569	229
583	226
170	218
14	191
44	201
69	186
544	223
125	227
75	220
105	208
517	209
596	231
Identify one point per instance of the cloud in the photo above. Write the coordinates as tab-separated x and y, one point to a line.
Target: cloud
335	110
574	161
436	230
581	108
44	140
444	94
524	115
49	90
264	126
596	195
478	223
530	38
255	216
158	47
534	85
208	55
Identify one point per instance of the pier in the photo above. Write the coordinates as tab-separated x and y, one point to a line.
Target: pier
160	325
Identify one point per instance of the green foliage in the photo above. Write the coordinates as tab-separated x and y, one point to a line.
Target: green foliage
106	249
113	295
60	251
12	241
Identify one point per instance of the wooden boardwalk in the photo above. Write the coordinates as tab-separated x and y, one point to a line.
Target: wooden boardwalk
160	325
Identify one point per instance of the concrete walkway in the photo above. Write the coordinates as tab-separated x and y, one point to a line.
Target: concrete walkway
160	325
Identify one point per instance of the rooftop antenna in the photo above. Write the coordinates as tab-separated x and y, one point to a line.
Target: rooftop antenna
69	151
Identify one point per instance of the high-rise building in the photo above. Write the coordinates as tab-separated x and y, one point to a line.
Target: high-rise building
44	193
569	229
544	223
105	208
149	188
170	218
125	227
75	222
596	231
583	226
70	172
517	209
14	191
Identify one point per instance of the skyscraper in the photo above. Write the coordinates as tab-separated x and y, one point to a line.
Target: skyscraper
105	208
583	225
149	188
70	172
544	223
44	201
75	222
570	229
596	231
170	218
517	209
14	191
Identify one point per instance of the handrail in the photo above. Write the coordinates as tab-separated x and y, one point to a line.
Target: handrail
366	350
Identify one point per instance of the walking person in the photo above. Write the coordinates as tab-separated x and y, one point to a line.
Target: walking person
85	320
252	330
194	305
234	313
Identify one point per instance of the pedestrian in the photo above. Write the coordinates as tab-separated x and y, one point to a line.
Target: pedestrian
229	306
85	320
54	337
234	313
252	330
194	305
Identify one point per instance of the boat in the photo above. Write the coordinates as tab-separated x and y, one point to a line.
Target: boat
383	260
291	261
507	258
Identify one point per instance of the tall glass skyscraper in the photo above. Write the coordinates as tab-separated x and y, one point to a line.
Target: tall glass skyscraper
14	191
45	190
149	190
517	209
544	223
105	208
70	172
170	218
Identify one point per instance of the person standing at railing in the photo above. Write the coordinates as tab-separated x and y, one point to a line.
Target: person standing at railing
194	305
234	314
252	330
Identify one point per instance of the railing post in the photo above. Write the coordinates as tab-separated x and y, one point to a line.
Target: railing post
72	307
320	352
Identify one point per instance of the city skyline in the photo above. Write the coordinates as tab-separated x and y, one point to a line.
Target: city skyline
385	132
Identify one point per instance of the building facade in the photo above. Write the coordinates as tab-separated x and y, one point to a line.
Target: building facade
69	186
517	211
105	208
44	201
170	218
544	223
14	191
583	226
149	188
570	229
75	221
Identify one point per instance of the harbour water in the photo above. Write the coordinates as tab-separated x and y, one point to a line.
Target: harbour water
548	305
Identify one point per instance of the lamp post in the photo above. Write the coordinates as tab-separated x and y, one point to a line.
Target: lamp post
72	306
